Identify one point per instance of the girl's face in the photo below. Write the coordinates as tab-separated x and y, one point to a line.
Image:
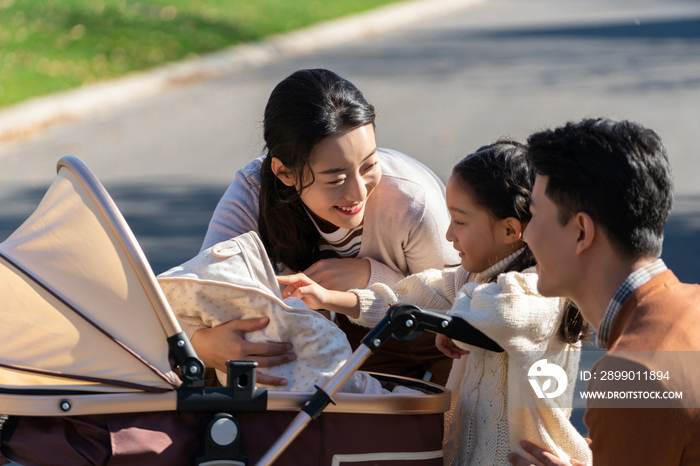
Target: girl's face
480	239
346	171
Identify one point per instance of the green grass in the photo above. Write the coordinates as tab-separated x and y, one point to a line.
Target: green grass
53	45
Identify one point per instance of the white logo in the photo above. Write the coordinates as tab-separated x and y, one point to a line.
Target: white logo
542	369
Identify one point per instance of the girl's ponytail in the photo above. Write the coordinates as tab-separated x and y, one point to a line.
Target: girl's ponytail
573	327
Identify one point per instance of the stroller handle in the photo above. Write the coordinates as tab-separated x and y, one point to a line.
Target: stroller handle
405	322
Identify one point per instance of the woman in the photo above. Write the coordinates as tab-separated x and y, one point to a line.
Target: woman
327	202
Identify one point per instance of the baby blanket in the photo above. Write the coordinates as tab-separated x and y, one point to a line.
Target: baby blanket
234	279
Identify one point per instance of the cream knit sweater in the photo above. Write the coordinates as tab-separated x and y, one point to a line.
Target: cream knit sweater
493	405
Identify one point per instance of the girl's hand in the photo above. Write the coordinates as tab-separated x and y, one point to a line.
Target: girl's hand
317	297
225	342
448	347
340	274
300	286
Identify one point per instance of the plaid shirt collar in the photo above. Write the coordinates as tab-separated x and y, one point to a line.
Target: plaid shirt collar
636	279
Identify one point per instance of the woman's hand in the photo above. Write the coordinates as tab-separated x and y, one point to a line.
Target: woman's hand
317	297
340	274
448	347
225	342
544	458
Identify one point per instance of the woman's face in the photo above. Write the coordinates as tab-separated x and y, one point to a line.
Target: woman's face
346	171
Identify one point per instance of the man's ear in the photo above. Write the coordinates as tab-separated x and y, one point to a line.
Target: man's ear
282	173
586	231
513	229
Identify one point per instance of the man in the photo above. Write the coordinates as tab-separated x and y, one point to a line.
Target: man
601	198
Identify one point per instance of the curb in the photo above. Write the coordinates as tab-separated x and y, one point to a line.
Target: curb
33	116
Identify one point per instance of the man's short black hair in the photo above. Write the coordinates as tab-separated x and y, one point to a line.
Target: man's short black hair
615	171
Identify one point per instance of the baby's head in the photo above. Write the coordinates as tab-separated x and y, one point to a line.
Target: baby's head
487	196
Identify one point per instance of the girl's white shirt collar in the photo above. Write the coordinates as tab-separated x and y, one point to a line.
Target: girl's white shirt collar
496	268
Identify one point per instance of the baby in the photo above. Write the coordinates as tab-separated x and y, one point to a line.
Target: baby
234	279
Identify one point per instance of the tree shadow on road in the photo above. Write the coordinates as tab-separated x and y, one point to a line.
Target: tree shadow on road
681	28
618	58
168	220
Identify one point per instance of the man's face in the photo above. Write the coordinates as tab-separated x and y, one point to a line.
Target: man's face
552	243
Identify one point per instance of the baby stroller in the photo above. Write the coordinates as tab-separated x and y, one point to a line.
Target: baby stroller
95	369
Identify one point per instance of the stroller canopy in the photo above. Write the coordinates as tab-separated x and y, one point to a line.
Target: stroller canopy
81	310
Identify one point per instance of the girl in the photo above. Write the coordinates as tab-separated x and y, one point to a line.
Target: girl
325	192
495	289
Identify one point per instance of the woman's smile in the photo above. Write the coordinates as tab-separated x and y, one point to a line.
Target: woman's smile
350	210
345	171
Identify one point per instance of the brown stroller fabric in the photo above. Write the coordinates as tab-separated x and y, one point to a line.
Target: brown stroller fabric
175	439
345	439
167	439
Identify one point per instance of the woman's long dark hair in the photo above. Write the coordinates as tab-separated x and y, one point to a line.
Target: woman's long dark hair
303	109
500	178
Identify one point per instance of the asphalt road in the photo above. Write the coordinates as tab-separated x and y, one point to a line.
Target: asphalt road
442	88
